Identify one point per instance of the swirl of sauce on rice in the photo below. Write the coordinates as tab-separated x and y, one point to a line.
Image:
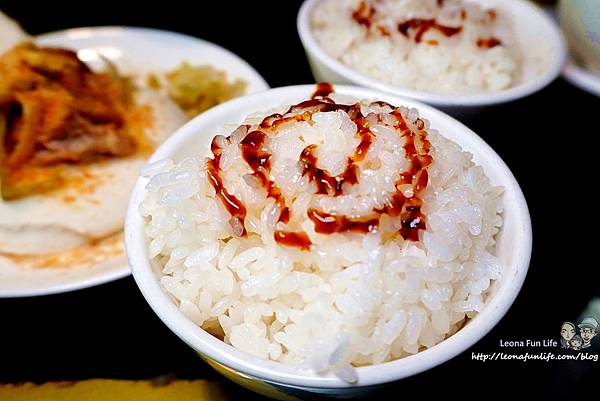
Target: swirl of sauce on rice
256	154
367	16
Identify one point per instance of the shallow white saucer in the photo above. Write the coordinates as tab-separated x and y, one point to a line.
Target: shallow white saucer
132	50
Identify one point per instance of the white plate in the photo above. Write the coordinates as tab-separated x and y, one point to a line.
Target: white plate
582	78
138	50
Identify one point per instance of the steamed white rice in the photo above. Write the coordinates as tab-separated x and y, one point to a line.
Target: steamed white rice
373	44
354	299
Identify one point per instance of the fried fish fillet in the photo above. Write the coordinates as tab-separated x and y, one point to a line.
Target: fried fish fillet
71	144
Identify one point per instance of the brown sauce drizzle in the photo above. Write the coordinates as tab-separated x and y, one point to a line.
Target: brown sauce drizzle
416	148
323	89
409	209
363	15
326	184
333	185
233	205
383	30
296	239
254	152
381	103
321	105
258	158
326	223
423	25
488	43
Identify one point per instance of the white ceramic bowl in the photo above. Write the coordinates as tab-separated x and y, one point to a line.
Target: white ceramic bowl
582	78
580	21
279	380
537	36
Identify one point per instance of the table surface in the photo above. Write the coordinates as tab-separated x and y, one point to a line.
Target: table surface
546	139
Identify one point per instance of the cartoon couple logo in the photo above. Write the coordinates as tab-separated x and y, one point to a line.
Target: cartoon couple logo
569	339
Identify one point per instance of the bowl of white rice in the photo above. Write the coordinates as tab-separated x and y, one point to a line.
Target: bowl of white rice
458	55
327	240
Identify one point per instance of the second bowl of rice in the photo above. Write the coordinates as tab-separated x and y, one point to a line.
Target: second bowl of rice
458	55
327	240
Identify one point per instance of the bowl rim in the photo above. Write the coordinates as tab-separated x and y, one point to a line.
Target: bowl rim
553	35
279	373
254	78
582	78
